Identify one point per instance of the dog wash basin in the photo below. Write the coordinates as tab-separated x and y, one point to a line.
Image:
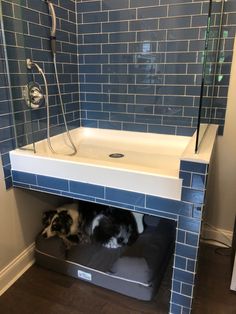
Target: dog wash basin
133	161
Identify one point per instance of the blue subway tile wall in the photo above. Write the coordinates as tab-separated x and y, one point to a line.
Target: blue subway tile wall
27	31
188	226
140	70
7	140
148	56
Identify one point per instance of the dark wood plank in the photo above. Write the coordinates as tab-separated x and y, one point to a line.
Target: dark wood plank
212	292
41	291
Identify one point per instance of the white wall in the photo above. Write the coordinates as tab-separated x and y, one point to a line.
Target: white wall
221	207
20	219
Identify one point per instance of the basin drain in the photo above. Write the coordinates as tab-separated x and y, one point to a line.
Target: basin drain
116	155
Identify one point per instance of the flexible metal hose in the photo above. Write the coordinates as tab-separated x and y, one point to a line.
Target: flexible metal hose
48	113
62	106
53	47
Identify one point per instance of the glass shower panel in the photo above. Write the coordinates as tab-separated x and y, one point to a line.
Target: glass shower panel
212	60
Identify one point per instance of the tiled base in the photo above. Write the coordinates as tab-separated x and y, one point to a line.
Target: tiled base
184	213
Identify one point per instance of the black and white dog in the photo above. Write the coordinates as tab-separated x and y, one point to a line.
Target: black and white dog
86	222
115	227
63	222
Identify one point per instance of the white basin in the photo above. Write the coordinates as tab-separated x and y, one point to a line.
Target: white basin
150	164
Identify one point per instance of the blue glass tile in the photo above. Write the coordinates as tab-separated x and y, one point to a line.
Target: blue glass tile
97	97
181	236
95	17
198	181
186	251
185	9
7	170
176	22
88	6
21	185
183	276
141	3
8	182
189	224
182	131
122	58
157	213
121	98
157	11
119	15
191	265
193	196
161	129
114	107
151	35
83	49
97	115
94	78
126	197
24	177
7	9
192	239
177	207
122	37
112	27
124	117
5	159
96	59
180	262
193	167
135	127
45	189
186	310
185	33
181	300
110	125
176	286
78	196
89	28
143	25
115	204
197	212
114	4
115	48
54	183
89	123
187	289
175	309
86	189
186	176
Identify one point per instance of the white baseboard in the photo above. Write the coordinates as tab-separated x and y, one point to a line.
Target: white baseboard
16	268
217	234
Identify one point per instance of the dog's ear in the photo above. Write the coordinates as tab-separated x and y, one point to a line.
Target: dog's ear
47	217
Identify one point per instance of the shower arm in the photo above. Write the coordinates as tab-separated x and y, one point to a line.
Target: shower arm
54	26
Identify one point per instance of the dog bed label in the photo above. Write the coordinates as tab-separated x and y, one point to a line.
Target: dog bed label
84	275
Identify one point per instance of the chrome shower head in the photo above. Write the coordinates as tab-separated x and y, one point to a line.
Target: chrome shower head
54	26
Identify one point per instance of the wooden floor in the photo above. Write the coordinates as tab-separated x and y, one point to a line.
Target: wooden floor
40	291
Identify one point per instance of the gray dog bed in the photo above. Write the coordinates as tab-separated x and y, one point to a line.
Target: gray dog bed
134	270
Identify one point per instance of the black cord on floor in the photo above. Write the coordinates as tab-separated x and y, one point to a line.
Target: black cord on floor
220	250
223	251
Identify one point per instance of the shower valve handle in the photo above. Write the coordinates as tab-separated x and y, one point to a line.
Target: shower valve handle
36	95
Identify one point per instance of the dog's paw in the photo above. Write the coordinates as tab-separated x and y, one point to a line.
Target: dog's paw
112	244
